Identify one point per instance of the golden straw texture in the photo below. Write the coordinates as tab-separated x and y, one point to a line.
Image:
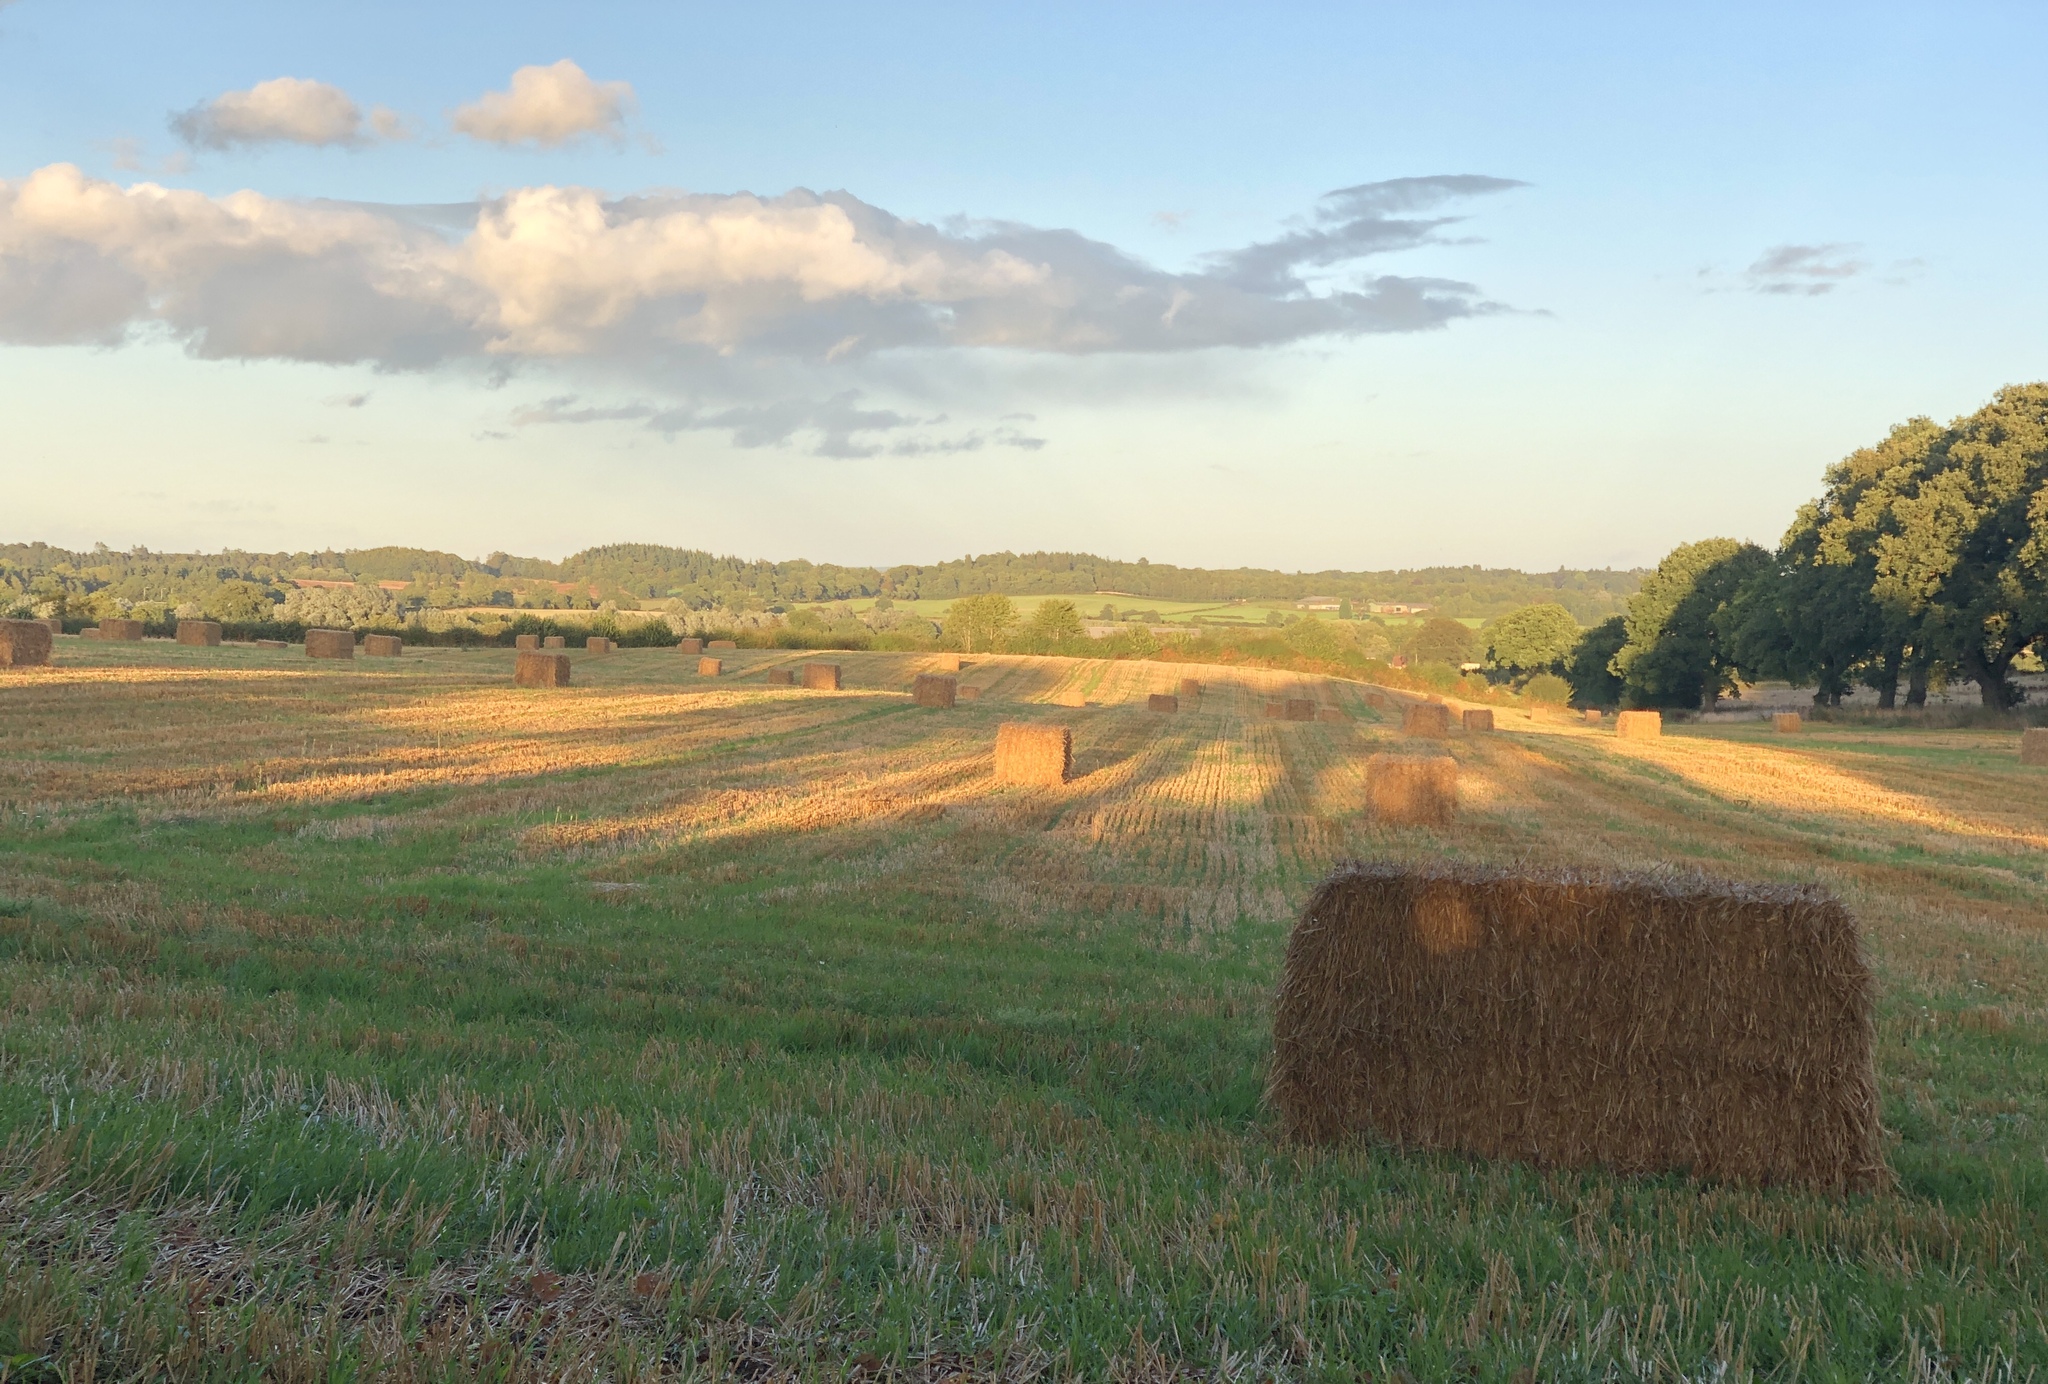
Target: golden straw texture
538	669
1412	790
1042	755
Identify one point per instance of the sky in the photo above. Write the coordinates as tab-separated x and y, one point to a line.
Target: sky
1291	286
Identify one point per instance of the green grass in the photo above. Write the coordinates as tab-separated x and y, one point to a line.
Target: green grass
316	1088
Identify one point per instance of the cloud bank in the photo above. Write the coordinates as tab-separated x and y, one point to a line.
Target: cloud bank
284	110
547	273
548	106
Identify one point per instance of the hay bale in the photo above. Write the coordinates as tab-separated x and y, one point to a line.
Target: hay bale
1788	723
272	644
597	644
946	663
1639	725
1376	700
1273	711
780	677
56	625
1300	709
1593	715
526	641
1426	718
1041	755
89	632
330	644
1332	714
968	694
1162	701
383	645
203	633
710	667
120	629
555	641
1642	1023
536	668
24	644
2034	746
821	677
1190	689
1478	718
692	645
1412	790
934	689
722	644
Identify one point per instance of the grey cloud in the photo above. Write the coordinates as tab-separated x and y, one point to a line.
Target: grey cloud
1805	270
836	426
550	273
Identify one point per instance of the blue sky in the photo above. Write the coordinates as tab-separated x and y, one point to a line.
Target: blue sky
1058	277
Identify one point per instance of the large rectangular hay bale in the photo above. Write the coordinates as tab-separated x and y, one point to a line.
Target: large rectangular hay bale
554	641
204	633
710	667
1412	790
1190	689
383	645
120	629
56	625
1593	715
1273	711
330	644
968	694
1332	714
946	663
1426	718
539	668
2034	745
1788	723
1376	700
1162	701
1641	1023
1300	709
597	644
1639	725
722	644
780	677
526	641
24	644
272	644
692	645
1478	718
1041	755
934	689
821	677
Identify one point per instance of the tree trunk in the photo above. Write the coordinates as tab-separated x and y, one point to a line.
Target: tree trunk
1990	677
1888	678
1916	688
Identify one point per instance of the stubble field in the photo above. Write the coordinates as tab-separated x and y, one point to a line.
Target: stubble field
384	1020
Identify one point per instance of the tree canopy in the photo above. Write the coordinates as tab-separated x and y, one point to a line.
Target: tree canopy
1534	639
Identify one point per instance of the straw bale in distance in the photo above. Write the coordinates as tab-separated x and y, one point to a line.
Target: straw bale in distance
2034	746
821	677
539	668
1190	688
89	632
692	645
1478	718
330	644
723	644
1593	715
120	629
383	645
555	641
1332	714
1638	1022
1376	700
1273	711
205	633
1412	790
272	644
710	667
598	644
968	694
526	641
934	689
24	644
1788	723
1639	725
1031	754
946	663
56	625
780	677
1426	718
1162	701
1300	709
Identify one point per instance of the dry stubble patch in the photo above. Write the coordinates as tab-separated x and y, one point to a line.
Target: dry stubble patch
1643	1023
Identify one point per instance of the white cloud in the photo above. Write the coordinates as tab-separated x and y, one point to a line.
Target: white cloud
1805	270
284	110
548	106
558	272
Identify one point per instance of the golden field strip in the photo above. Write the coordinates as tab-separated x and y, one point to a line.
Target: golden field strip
667	1025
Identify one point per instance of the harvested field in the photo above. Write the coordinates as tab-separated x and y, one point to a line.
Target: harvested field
666	1019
